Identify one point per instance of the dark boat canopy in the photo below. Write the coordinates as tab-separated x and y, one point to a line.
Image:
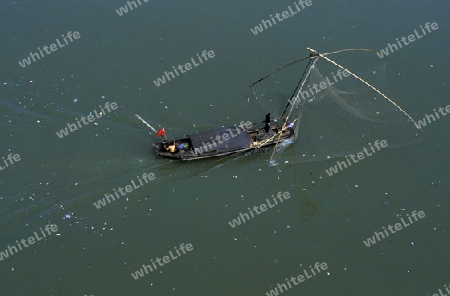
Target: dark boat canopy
220	140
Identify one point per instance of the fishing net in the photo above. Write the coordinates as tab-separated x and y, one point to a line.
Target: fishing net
336	114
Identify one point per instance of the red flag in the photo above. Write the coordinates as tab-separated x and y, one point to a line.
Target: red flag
160	133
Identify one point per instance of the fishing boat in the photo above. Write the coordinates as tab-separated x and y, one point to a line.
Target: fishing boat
222	142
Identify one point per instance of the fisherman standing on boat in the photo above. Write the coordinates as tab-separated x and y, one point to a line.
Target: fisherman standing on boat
267	121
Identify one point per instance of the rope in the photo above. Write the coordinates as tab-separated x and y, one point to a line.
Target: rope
285	66
348	49
308	72
296	87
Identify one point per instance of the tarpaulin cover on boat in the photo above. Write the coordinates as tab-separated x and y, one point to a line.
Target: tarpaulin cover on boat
232	139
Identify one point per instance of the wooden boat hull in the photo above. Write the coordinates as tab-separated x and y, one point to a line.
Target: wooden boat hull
228	141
